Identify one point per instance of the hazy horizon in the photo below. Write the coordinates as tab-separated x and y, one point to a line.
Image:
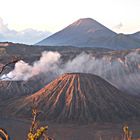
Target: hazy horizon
41	18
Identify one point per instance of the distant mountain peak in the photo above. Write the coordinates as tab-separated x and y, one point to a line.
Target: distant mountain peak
85	32
87	24
84	21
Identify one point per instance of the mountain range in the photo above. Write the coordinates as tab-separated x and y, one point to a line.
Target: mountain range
90	33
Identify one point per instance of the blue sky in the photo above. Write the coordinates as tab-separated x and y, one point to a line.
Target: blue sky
45	16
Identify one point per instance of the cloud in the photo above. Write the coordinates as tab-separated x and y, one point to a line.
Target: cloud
27	36
119	26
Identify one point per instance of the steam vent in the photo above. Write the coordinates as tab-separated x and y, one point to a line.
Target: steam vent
79	97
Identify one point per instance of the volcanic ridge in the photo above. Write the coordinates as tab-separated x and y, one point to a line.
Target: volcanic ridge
78	97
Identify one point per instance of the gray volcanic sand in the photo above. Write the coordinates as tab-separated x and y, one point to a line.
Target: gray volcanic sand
18	129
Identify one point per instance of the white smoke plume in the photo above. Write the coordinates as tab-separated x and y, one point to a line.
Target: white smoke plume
50	64
24	71
123	72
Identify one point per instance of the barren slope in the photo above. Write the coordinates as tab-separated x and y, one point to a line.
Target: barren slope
78	97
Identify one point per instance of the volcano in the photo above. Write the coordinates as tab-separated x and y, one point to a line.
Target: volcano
87	32
13	89
17	89
84	32
78	97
